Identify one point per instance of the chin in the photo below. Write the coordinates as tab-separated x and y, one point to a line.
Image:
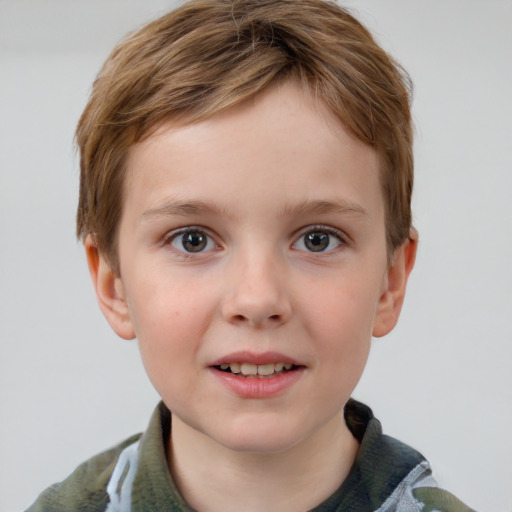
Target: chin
259	438
262	446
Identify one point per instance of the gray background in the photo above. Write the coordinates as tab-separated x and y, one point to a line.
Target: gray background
441	381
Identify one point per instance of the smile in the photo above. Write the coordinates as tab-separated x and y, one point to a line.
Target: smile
249	380
256	370
257	375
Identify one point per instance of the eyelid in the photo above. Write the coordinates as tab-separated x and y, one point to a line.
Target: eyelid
338	233
172	235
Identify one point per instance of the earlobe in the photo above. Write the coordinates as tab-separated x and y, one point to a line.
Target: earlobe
109	291
391	300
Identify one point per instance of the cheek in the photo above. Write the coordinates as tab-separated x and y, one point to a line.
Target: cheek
340	321
169	325
345	309
169	319
167	304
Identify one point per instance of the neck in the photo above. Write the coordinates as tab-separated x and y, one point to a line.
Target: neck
213	478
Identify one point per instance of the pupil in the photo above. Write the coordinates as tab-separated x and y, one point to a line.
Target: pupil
194	241
316	241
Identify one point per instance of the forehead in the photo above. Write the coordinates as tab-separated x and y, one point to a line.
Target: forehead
282	145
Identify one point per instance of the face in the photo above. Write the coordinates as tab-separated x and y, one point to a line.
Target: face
253	268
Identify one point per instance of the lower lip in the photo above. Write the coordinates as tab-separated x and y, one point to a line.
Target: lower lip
255	387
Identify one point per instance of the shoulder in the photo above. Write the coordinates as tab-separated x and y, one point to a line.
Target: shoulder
434	498
86	487
418	490
422	495
388	475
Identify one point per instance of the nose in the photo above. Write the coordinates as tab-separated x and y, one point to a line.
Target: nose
257	295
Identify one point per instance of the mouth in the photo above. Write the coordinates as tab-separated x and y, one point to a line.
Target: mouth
258	375
256	371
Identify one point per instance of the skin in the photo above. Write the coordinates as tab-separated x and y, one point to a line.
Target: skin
254	180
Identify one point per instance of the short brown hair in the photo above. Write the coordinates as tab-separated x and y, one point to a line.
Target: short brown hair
209	55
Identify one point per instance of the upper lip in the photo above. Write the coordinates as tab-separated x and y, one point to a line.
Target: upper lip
255	358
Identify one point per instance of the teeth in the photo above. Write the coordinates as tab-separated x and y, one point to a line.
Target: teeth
266	369
248	369
253	369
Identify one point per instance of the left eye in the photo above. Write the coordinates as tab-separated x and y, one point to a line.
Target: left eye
318	240
192	241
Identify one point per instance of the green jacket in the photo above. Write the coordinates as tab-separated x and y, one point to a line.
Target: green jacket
387	476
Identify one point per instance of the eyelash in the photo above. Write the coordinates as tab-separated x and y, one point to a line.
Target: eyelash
171	237
329	230
175	235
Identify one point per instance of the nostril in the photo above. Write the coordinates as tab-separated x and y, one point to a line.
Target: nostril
243	318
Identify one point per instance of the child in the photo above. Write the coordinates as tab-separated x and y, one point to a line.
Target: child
246	177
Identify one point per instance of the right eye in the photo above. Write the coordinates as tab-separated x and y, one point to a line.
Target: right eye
191	240
320	239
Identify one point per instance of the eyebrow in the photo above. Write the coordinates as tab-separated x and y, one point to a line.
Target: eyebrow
184	208
305	207
320	207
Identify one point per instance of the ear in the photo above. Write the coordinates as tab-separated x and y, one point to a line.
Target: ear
109	291
392	298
